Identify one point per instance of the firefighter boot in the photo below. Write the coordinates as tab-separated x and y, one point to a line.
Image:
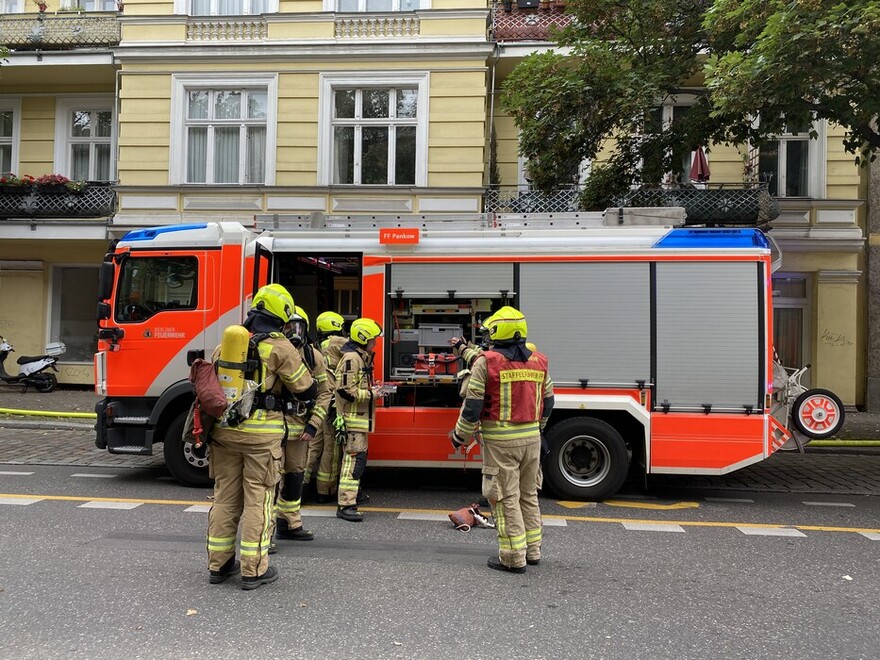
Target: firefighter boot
248	583
495	564
349	513
285	533
228	569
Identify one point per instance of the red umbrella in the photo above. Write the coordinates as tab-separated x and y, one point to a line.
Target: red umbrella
700	166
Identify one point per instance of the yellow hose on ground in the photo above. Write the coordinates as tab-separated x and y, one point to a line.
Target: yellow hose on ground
46	413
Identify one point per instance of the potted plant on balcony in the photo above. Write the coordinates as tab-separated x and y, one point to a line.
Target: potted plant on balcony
16	185
41	5
53	184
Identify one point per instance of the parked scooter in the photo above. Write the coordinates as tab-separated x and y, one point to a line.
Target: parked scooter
32	369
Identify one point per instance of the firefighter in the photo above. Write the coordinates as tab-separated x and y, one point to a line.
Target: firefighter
355	406
323	459
304	420
510	394
245	458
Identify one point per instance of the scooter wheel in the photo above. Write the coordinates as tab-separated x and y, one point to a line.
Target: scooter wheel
46	383
817	413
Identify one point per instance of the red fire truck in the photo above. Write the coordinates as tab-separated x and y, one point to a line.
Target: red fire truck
659	337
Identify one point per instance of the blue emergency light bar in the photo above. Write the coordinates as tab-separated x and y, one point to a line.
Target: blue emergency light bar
713	238
150	234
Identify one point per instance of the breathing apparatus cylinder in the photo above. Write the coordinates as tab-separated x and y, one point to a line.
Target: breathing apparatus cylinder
233	362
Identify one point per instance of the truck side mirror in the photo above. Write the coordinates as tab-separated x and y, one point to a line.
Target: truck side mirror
103	311
105	282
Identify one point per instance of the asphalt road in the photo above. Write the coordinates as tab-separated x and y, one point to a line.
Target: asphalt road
713	574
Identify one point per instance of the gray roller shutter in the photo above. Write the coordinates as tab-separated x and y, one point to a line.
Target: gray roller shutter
707	335
467	280
592	320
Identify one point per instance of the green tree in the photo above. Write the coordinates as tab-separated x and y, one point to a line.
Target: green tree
786	62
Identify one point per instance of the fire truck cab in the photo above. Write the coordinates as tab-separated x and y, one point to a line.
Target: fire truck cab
658	337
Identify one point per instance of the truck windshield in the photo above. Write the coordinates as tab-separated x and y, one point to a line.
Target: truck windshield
149	285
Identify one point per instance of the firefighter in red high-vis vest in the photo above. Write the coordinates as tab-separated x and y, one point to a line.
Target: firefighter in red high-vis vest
510	395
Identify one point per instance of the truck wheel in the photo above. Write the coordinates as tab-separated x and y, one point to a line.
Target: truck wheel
817	413
588	459
185	463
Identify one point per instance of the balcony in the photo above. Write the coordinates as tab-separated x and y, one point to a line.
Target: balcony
511	23
95	200
64	31
523	199
745	204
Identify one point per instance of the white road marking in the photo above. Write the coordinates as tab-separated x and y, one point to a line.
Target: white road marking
770	531
423	516
20	501
732	500
199	508
318	513
554	522
109	505
23	474
94	476
652	527
874	536
828	504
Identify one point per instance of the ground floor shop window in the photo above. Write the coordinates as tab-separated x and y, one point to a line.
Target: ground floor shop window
791	320
72	313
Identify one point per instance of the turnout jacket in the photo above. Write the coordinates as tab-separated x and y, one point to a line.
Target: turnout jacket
354	394
323	398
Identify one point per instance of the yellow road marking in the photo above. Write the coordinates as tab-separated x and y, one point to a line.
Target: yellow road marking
378	509
576	505
627	504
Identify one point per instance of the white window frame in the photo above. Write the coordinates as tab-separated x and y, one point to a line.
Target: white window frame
64	107
53	320
12	7
331	5
816	160
331	81
13	104
71	4
183	8
182	83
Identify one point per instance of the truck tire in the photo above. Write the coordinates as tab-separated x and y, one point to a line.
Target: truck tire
588	459
185	463
817	413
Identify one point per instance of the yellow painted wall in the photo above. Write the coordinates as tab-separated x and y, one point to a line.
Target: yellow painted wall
36	150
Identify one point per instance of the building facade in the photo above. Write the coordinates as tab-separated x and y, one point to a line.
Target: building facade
193	110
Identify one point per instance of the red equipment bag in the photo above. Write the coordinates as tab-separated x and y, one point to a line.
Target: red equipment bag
436	364
212	399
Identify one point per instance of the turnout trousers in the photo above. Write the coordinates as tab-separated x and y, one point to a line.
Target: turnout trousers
510	483
290	496
354	462
246	468
323	461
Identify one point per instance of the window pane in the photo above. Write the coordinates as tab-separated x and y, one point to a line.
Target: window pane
197	155
375	103
79	162
227	105
198	105
407	103
654	120
6	123
230	7
74	291
349	6
5	158
789	287
405	158
796	168
343	154
226	151
344	103
256	154
82	124
102	162
104	124
375	155
258	6
257	105
768	166
379	5
201	7
788	332
149	285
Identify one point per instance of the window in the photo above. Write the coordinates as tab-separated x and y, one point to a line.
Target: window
149	285
376	134
791	323
91	5
228	7
657	119
11	6
9	130
352	6
792	164
85	150
225	134
72	317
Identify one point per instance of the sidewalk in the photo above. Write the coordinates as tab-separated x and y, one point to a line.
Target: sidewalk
852	470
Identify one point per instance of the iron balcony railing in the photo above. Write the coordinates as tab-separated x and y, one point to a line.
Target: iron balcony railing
63	31
523	199
97	199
